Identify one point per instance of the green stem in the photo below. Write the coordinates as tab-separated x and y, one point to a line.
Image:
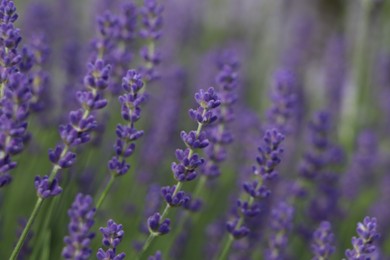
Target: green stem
26	229
226	248
105	191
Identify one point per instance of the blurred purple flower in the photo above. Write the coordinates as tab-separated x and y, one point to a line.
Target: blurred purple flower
78	242
322	244
364	245
112	236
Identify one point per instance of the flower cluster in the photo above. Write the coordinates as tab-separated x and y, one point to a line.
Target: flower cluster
14	110
322	244
284	100
78	130
269	157
131	103
40	77
9	41
152	20
15	93
219	134
81	216
364	245
281	223
185	169
112	236
315	159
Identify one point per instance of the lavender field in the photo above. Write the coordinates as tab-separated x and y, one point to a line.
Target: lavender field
207	129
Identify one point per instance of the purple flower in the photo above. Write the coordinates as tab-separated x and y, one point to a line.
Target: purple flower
46	188
174	199
283	109
322	244
281	223
219	134
315	168
158	227
112	236
9	40
78	241
39	51
185	169
127	134
151	17
316	158
81	122
236	231
364	244
14	110
8	12
108	29
269	157
109	255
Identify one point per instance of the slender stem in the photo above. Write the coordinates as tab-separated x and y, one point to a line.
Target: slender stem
226	248
39	202
42	227
105	191
26	229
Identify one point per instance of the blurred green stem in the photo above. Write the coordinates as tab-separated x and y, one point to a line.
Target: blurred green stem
227	245
105	191
26	229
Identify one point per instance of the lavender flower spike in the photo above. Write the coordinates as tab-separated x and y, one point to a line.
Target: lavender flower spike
9	41
322	244
185	169
152	22
15	93
112	236
14	110
126	134
281	223
81	122
283	101
364	245
79	239
220	134
269	157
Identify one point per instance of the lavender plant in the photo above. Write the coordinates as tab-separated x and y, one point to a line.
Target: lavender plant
15	92
255	189
188	162
328	64
79	239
